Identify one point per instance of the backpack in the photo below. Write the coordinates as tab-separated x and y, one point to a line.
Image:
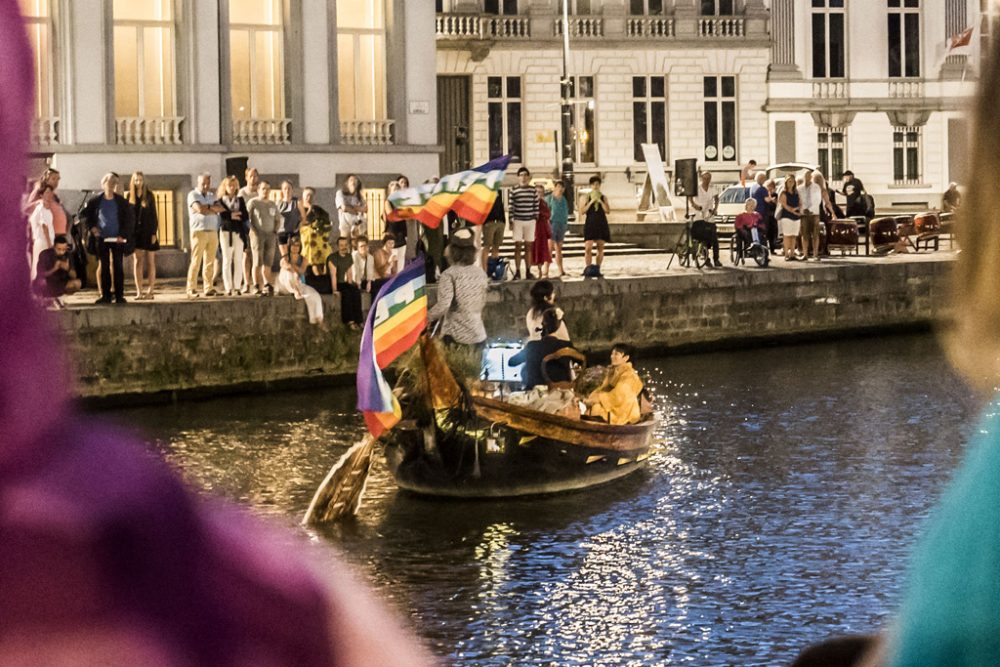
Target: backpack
496	268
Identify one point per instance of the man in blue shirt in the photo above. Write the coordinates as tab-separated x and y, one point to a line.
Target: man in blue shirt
204	209
760	194
109	219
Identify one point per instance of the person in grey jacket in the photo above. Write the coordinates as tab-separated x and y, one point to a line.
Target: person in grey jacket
461	294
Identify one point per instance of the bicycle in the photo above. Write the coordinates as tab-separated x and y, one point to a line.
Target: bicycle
688	248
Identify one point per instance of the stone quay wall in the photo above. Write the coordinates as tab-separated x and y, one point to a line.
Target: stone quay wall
161	351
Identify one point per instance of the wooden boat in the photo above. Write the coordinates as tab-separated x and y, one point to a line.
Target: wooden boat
486	448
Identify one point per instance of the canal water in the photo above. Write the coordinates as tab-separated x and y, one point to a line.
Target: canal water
779	509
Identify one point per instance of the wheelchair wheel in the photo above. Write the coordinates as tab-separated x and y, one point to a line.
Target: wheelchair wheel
700	255
734	251
760	255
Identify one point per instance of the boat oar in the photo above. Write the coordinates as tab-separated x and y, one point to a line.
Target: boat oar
340	493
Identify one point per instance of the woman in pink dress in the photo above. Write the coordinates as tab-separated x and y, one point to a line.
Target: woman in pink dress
541	254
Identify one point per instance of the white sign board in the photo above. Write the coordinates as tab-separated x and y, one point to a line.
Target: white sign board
656	189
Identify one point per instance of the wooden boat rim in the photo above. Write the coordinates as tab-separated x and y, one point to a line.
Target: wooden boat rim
557	420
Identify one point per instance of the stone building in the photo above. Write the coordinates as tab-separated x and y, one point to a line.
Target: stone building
860	85
309	90
688	75
866	86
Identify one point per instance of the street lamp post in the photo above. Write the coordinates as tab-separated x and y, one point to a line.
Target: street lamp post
567	107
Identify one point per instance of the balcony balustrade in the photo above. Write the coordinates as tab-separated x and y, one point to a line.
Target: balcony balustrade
721	27
829	90
45	131
473	26
152	131
650	26
262	131
366	132
581	26
906	89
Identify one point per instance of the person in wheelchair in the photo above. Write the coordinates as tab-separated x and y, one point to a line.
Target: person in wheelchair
750	228
557	371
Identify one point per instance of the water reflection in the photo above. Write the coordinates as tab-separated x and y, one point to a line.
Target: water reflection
778	509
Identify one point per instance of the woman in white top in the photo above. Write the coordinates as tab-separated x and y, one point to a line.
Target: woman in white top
351	208
543	297
42	230
291	280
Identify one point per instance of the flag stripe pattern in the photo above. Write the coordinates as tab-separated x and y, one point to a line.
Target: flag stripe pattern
470	194
397	317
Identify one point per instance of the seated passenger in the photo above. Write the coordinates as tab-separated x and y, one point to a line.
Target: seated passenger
750	226
535	351
617	399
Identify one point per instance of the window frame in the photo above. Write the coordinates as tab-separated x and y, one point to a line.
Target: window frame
48	23
356	34
506	103
826	142
648	100
281	29
718	6
503	7
140	26
581	105
907	144
646	11
825	11
720	101
901	11
989	25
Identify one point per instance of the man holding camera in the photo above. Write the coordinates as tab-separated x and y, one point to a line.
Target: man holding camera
56	277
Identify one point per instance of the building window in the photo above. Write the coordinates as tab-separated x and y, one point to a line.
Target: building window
361	59
989	23
904	37
504	116
256	52
649	114
645	7
38	21
500	6
578	139
830	156
718	7
582	7
720	118
144	59
906	155
166	232
828	39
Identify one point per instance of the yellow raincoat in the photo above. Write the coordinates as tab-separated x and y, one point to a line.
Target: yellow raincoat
617	399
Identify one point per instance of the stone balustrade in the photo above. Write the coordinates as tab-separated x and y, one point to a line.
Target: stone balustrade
366	132
261	131
829	90
152	131
474	26
650	26
581	26
45	130
721	27
906	89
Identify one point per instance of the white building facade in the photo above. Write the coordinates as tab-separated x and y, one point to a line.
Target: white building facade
844	84
308	90
866	86
688	75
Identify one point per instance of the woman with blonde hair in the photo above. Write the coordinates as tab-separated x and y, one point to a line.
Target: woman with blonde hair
233	234
147	228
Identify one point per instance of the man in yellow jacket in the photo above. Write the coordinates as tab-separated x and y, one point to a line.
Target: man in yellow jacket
617	399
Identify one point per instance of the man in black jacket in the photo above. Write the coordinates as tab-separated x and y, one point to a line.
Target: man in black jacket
109	218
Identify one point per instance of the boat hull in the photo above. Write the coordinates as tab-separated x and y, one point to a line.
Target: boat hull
505	451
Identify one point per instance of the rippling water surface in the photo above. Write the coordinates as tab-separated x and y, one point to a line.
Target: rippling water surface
779	509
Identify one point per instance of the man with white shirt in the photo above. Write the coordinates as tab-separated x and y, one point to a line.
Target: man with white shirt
705	203
811	197
203	218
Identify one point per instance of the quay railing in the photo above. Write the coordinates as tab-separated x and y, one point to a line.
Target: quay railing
262	131
148	131
366	132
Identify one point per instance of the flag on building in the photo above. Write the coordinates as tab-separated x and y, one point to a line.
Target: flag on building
962	43
397	317
469	193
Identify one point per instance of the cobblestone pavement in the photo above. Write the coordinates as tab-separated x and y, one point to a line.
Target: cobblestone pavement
171	290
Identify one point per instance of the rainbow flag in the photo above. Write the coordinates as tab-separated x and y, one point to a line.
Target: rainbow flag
397	317
470	194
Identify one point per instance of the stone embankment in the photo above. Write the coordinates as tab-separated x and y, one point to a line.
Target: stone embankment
170	349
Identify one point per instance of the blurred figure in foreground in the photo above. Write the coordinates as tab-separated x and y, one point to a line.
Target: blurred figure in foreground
105	557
